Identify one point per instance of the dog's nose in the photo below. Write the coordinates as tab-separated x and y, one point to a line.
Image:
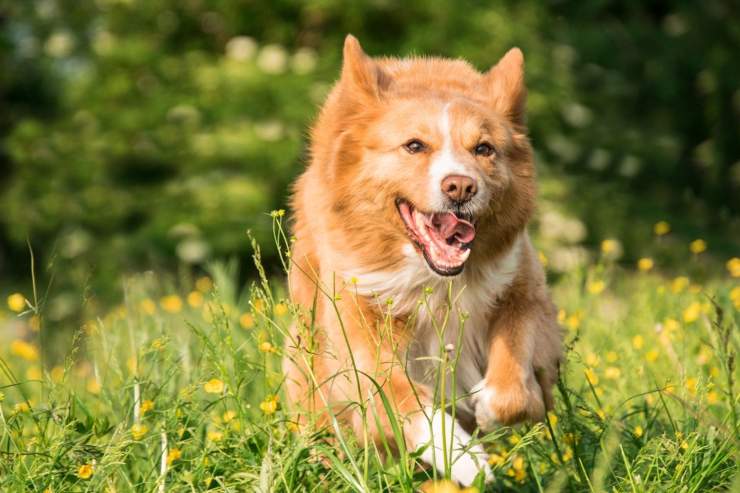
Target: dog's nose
459	188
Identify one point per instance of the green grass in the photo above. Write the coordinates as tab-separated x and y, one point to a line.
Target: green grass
191	372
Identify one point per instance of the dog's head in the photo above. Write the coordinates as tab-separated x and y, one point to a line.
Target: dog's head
426	156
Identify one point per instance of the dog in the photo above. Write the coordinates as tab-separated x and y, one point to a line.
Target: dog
410	252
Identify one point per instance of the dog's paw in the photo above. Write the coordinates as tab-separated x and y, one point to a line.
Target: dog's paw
495	406
465	459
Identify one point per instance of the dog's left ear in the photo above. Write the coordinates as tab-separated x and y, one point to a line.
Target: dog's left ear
505	84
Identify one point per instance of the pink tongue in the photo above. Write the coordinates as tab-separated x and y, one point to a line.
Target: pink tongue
448	224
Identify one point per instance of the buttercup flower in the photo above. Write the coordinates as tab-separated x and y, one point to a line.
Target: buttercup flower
138	431
171	303
173	455
638	342
214	386
246	321
195	299
145	406
24	349
595	287
733	266
16	302
698	246
85	471
662	228
645	264
692	312
637	431
269	405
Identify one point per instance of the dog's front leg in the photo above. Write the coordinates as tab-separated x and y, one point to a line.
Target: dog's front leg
512	389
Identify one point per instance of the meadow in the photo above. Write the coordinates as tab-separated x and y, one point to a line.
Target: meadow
179	389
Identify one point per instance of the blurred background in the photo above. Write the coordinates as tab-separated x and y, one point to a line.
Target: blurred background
144	135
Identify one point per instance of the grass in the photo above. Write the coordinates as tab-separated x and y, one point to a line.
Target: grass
179	389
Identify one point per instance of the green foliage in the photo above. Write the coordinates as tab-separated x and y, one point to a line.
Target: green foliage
181	389
140	132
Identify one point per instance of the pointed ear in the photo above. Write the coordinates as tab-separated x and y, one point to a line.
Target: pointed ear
360	74
505	82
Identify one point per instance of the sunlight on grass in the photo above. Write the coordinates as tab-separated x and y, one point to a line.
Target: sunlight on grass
180	389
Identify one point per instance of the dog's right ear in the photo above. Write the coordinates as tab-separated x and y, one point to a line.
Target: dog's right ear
360	74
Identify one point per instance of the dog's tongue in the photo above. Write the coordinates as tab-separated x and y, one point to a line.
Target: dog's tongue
449	225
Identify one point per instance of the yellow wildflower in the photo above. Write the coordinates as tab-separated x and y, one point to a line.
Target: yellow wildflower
267	347
552	418
57	374
215	436
17	302
145	406
93	386
518	463
735	297
138	431
592	360
171	303
246	321
24	349
612	356
645	264
595	287
638	342
34	373
21	407
662	228
280	309
591	376
148	306
712	397
733	266
228	416
293	426
573	321
612	373
195	299
638	431
691	383
514	439
652	355
204	284
698	246
258	305
692	312
611	248
85	471
671	325
567	454
679	284
684	445
269	405
714	372
496	459
214	386
542	257
173	455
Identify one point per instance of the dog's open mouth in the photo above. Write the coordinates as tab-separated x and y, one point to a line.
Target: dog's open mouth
443	237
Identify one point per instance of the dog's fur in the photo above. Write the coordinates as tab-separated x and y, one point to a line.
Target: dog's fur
359	273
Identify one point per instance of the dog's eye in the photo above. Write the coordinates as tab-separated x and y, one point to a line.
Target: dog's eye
414	145
483	149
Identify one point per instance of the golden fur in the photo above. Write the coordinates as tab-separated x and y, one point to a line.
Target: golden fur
352	248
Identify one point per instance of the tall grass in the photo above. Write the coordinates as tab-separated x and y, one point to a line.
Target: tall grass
179	389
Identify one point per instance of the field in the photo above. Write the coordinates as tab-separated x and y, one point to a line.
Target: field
179	389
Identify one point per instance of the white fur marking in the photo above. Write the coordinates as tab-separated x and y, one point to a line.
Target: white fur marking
465	460
445	164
